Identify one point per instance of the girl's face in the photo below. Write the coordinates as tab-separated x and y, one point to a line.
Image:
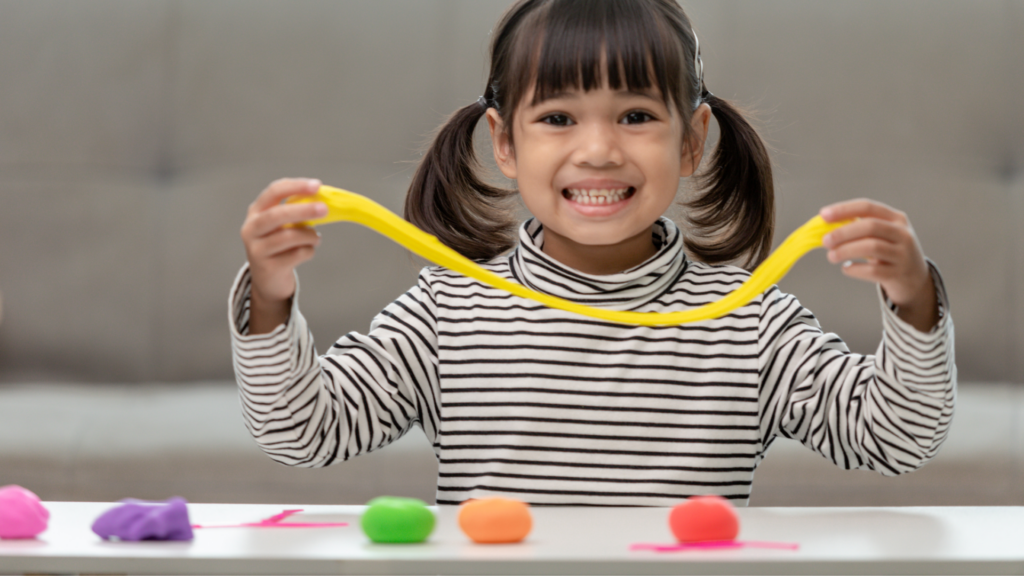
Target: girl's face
597	169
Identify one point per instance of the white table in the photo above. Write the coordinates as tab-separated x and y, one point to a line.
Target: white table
953	540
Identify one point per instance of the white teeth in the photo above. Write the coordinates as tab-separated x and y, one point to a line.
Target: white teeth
597	196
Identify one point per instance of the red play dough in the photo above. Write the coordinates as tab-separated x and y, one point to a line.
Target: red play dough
704	518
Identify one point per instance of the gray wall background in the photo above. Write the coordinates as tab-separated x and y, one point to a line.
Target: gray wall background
133	135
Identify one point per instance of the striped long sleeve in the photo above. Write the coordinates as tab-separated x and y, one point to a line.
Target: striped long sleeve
364	393
888	412
544	405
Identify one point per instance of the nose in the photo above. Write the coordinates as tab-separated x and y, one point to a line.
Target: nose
597	146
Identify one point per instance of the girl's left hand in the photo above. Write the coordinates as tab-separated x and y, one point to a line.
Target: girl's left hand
880	246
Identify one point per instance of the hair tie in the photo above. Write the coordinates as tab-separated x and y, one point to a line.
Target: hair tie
483	102
698	64
698	67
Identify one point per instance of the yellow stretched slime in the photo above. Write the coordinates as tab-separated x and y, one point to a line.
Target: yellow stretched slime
347	206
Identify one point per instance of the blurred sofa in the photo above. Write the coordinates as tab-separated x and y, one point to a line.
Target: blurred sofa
108	442
133	135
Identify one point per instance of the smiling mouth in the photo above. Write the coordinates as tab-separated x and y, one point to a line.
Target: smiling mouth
598	196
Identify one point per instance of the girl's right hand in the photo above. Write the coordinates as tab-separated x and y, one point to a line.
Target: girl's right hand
274	250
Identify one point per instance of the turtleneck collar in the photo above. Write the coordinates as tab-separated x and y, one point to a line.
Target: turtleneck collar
625	290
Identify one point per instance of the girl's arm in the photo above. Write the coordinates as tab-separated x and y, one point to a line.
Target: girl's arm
274	248
367	391
888	412
364	393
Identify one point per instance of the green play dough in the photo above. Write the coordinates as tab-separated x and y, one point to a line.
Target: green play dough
395	520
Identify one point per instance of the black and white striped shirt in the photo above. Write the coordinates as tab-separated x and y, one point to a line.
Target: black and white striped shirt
551	407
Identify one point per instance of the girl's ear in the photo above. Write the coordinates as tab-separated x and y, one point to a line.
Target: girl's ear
504	155
693	153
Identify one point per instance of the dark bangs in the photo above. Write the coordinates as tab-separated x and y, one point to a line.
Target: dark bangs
567	45
559	46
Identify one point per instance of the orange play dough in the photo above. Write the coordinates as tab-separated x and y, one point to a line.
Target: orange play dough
495	520
703	519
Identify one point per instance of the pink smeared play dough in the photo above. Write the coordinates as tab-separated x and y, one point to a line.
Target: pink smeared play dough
22	515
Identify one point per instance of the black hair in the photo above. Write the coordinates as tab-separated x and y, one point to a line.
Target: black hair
554	46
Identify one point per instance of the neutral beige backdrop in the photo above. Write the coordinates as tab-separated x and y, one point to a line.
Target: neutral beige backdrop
134	134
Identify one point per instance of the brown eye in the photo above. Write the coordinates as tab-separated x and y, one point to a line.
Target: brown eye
637	118
556	120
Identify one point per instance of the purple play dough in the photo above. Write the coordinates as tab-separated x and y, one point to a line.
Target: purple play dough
136	520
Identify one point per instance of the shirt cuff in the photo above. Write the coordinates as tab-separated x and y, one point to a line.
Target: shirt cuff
239	301
890	310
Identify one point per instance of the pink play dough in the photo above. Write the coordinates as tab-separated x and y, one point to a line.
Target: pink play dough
22	515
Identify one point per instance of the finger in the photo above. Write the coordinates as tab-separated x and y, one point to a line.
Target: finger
291	258
283	188
866	249
276	217
868	271
284	240
861	208
866	228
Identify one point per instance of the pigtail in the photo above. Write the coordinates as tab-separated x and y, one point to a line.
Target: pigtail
447	199
735	213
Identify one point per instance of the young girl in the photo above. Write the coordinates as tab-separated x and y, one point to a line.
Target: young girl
596	110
